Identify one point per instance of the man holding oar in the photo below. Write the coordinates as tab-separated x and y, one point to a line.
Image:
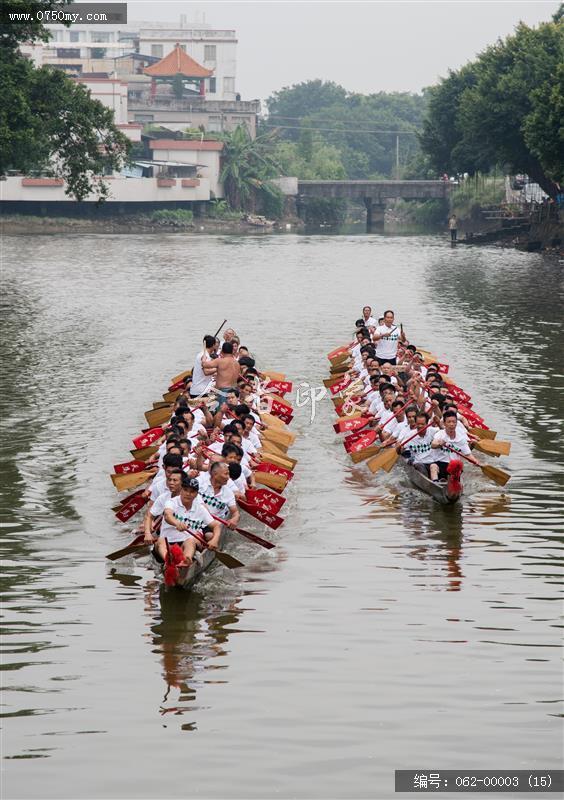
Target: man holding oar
182	514
449	442
387	338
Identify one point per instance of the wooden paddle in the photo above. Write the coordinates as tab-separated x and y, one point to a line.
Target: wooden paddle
252	537
136	546
269	446
131	480
280	437
143	453
482	434
170	397
227	560
279	461
160	404
270	421
276	482
386	461
157	416
493	447
495	474
368	452
181	377
273	376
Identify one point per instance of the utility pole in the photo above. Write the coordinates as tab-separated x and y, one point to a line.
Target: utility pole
397	158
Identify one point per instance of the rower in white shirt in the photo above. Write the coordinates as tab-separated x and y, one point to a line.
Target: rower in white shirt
422	456
449	441
219	499
387	337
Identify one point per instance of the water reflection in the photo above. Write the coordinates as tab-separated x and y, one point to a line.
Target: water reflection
189	633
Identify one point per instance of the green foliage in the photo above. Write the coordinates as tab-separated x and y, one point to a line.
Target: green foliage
324	211
178	86
272	204
173	216
504	108
357	126
13	33
475	192
219	209
427	213
248	166
51	124
322	162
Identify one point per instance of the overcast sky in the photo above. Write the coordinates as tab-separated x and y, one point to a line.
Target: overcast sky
365	46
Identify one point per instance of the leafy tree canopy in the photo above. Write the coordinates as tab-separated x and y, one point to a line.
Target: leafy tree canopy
362	128
504	108
48	122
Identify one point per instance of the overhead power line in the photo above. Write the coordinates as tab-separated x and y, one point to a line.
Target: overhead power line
337	130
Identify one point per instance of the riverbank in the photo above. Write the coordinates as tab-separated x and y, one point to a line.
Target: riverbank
23	224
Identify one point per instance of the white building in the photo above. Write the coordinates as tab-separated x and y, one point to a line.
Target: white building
83	48
214	49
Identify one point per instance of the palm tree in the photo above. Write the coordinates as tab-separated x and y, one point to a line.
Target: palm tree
247	167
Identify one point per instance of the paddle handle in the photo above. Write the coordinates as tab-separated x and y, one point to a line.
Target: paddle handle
399	411
219	329
420	430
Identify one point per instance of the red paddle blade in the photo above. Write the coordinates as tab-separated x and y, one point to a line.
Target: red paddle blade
359	440
344	425
272	520
266	499
132	507
147	438
129	466
338	387
279	387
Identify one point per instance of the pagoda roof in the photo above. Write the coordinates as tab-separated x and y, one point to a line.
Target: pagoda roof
177	62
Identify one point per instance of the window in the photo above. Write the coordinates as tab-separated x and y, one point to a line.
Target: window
209	52
74	36
68	52
157	50
144	117
212	85
99	36
98	52
228	85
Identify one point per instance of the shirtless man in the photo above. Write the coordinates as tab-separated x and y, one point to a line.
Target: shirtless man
226	370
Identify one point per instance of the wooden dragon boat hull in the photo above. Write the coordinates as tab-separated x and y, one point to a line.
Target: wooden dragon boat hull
438	491
188	576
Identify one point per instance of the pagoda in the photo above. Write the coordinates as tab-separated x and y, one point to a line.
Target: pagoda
178	62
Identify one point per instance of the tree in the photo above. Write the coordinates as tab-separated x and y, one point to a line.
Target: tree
247	167
48	122
288	106
505	108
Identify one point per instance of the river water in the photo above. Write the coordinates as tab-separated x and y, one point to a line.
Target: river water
382	632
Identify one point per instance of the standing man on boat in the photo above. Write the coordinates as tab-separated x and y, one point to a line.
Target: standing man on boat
201	380
226	370
367	319
387	338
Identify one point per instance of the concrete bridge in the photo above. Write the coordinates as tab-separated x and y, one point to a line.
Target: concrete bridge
374	194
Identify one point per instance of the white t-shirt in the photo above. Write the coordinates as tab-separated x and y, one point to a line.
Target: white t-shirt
193	434
253	438
238	485
420	447
405	432
200	381
197	517
376	405
459	443
158	506
158	487
388	347
370	322
219	503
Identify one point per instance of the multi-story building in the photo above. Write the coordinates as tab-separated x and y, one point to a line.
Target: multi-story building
216	50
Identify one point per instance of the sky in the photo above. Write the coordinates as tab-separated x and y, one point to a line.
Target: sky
366	46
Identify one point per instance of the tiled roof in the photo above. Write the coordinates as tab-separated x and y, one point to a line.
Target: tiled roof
184	144
177	62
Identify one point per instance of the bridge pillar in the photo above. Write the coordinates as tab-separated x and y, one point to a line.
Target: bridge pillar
374	214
